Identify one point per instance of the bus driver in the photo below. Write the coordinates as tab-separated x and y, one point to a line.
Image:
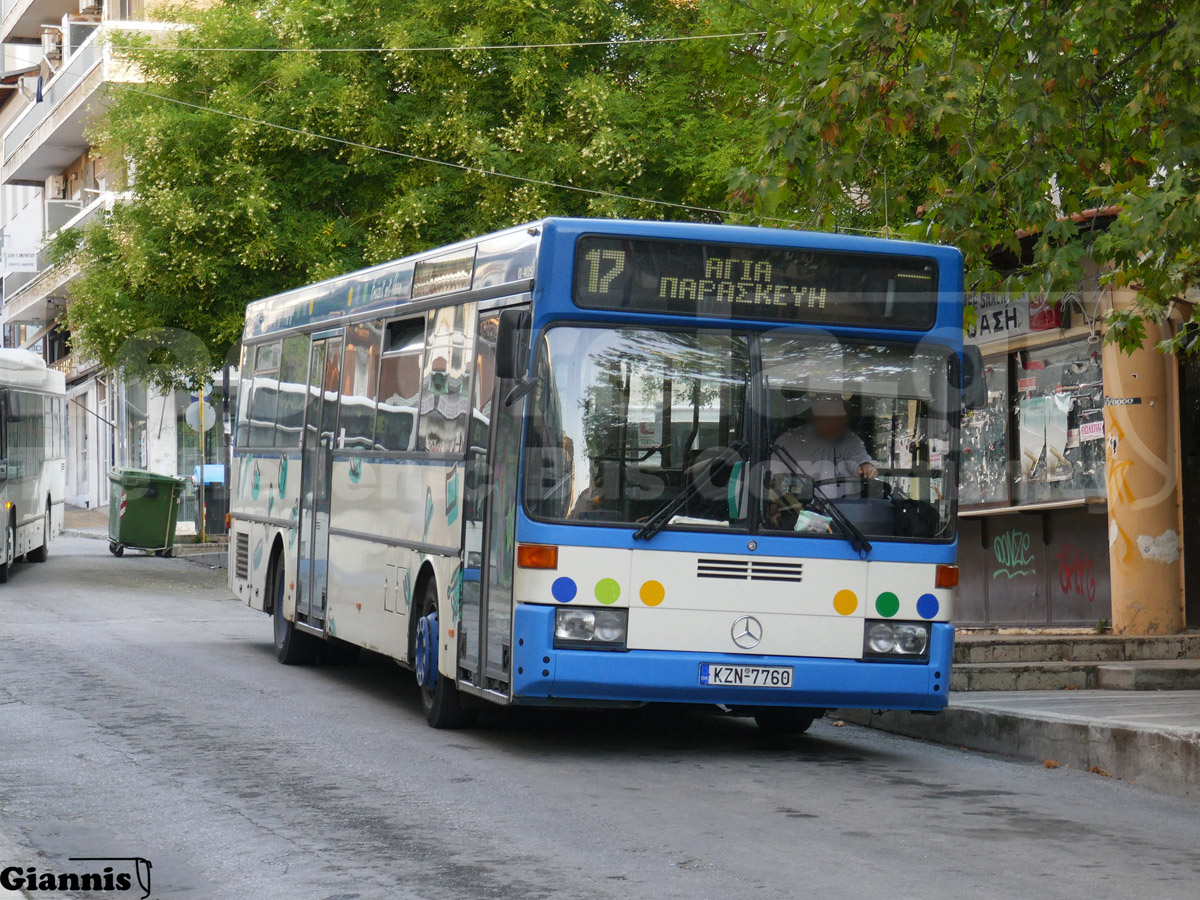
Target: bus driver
825	447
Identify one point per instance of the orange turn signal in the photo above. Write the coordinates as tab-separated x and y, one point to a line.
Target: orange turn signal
537	556
228	517
947	577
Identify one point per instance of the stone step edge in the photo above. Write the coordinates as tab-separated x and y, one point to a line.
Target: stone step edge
1165	761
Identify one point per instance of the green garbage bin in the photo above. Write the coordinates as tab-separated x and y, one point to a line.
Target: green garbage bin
143	508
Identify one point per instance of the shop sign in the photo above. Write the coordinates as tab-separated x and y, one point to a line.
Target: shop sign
998	317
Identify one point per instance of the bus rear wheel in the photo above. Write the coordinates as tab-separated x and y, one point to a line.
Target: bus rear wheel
784	721
291	647
440	698
42	553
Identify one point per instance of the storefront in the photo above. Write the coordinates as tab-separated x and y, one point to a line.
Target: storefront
1033	527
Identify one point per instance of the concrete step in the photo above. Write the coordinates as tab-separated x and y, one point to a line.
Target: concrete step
1023	676
1150	675
1149	739
1084	647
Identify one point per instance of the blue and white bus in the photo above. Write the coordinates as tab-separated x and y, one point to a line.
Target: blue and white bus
595	462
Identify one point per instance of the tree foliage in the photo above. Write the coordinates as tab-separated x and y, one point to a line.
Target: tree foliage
226	210
973	122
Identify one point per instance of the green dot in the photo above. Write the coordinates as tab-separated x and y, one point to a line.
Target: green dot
607	591
887	604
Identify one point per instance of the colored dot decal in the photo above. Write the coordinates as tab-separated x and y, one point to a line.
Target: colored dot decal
845	602
564	589
607	591
887	604
652	593
927	606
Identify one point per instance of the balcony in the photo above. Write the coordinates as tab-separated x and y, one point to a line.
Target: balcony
36	298
48	136
23	19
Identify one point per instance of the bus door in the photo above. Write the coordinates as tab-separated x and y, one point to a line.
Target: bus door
494	443
320	422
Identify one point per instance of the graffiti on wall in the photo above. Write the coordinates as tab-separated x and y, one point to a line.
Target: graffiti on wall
1014	554
1076	571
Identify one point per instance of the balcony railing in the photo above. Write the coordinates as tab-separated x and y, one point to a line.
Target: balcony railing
23	288
85	59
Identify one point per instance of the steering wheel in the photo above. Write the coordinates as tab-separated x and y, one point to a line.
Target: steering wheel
872	488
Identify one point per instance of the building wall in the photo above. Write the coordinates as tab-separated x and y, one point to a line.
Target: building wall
98	429
1051	468
1033	545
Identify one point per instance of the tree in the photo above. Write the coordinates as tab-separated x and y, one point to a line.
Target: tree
226	209
973	122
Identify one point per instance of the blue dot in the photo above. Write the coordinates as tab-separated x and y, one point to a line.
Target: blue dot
564	589
927	606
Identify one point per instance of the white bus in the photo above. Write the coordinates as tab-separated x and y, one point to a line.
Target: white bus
33	466
552	466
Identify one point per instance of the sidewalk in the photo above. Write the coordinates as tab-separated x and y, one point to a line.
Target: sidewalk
85	522
1147	738
93	523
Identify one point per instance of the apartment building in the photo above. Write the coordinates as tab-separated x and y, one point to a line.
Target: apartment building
59	70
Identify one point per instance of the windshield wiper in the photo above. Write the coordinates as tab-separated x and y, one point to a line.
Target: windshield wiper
711	470
850	531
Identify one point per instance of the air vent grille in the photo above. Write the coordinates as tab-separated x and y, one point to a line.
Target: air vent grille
241	558
749	570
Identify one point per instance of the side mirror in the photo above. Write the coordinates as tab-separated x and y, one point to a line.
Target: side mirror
512	343
974	379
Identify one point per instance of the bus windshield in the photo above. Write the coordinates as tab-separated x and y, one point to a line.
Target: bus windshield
626	420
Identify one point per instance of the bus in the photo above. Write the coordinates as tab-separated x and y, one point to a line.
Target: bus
609	463
33	456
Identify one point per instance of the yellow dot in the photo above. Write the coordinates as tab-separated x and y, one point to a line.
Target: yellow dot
845	602
652	593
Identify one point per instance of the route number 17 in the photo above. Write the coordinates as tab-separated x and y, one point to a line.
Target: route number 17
598	279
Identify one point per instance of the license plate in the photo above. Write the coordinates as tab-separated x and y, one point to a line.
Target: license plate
746	676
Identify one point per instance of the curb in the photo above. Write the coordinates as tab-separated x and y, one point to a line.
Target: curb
1163	760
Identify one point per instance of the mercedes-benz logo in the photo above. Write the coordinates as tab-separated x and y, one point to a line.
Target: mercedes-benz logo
746	632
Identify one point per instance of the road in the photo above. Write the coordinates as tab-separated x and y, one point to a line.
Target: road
142	713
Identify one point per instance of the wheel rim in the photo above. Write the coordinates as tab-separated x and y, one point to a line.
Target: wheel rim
426	655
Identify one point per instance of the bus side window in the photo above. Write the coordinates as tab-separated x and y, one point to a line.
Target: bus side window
445	405
4	401
400	385
264	396
291	390
245	389
360	376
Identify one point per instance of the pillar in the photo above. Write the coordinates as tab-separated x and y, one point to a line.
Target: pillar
1141	436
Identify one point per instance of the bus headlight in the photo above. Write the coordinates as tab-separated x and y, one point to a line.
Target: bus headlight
895	640
596	629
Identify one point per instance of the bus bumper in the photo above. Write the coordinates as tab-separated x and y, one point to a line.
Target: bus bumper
541	673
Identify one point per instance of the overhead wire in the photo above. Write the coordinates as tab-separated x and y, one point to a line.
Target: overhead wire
464	167
560	45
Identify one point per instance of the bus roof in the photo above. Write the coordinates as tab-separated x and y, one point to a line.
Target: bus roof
509	258
25	369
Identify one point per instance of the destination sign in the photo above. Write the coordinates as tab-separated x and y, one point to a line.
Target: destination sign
734	281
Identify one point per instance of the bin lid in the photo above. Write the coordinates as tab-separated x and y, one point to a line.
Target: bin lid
142	476
214	473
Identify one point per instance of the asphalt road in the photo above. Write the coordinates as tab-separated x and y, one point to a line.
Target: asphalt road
142	713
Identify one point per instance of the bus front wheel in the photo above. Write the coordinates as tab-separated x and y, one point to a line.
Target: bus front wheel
440	698
10	549
783	721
